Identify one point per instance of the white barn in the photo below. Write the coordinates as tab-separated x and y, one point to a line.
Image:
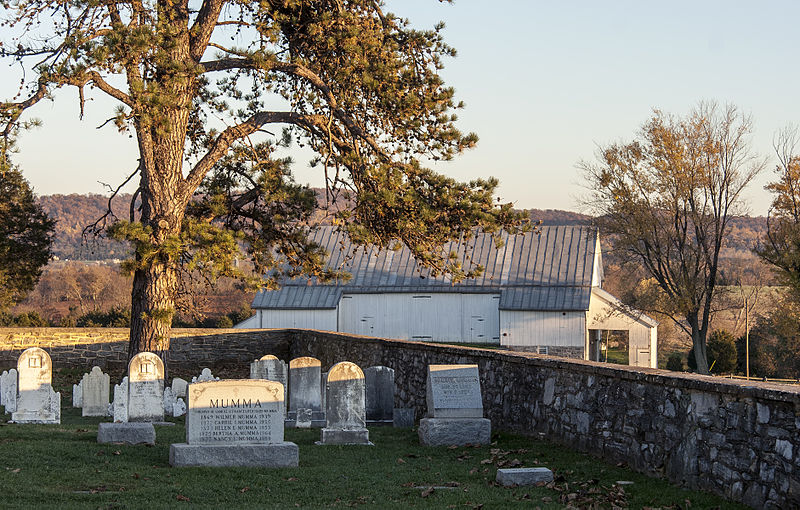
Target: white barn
539	292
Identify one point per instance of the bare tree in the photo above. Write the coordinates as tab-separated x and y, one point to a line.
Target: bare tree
666	198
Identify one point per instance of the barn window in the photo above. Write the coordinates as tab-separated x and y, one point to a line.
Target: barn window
542	349
421	297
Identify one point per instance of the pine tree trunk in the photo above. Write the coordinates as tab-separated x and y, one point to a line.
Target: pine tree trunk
152	308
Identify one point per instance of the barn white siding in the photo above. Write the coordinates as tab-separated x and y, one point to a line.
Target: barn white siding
321	319
532	328
607	313
463	318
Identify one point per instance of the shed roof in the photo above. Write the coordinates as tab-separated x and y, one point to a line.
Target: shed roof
546	270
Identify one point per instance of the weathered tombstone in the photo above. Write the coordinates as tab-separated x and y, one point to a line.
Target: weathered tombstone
10	390
345	410
305	375
146	388
455	407
178	408
77	395
510	477
94	391
169	401
205	376
3	378
323	394
380	395
236	422
120	404
269	367
37	402
179	387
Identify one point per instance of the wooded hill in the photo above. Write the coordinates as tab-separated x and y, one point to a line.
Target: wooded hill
74	212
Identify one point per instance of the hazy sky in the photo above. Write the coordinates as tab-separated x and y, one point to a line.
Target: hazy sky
544	83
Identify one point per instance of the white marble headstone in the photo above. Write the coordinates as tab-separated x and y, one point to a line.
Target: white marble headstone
146	388
37	402
179	387
205	375
120	404
95	391
77	395
235	411
454	391
345	401
269	367
10	390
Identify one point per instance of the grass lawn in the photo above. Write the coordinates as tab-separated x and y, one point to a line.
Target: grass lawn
62	466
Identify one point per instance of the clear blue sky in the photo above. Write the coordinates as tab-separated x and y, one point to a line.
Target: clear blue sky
544	84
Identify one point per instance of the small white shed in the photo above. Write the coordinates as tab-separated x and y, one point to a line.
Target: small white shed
540	291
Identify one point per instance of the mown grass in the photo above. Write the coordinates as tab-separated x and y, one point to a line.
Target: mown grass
62	466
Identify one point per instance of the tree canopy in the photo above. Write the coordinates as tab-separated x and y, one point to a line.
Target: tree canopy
213	90
25	236
666	200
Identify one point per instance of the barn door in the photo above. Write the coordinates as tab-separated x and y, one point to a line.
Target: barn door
642	357
477	330
366	326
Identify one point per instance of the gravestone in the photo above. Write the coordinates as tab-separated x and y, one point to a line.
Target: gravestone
37	402
510	477
305	376
455	407
345	410
269	367
178	408
205	376
237	422
169	401
77	395
10	390
380	395
146	388
119	408
94	390
179	387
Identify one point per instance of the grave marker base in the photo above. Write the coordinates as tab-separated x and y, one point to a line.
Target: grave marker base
454	431
338	436
126	433
275	455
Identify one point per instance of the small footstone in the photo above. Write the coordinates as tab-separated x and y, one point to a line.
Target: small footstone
403	417
126	433
454	431
524	476
337	436
273	455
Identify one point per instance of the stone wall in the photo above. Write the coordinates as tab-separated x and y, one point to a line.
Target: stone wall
190	349
740	440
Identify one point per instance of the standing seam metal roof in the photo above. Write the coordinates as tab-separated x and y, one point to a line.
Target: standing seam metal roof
546	270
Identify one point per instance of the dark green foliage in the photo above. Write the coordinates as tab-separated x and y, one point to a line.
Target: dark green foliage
675	362
23	320
25	236
774	344
114	318
721	352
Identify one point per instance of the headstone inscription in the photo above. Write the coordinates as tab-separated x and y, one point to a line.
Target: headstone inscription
235	422
455	407
146	388
95	390
37	402
380	395
345	410
305	376
10	390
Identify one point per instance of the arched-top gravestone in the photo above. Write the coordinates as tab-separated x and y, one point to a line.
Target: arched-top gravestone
146	388
94	393
345	408
305	395
269	367
37	402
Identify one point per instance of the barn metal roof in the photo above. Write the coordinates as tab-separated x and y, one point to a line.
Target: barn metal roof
546	270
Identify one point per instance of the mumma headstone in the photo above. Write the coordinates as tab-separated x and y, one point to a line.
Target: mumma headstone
305	396
455	407
271	368
380	395
345	410
9	390
37	402
236	422
146	388
94	391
